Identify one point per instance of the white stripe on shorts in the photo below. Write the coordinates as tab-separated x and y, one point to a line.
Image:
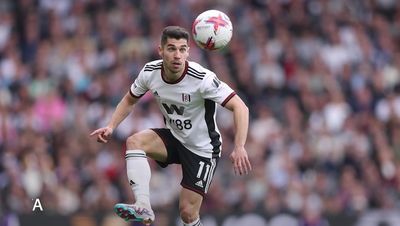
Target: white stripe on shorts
210	174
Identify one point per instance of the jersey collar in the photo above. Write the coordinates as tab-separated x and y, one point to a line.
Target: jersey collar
179	79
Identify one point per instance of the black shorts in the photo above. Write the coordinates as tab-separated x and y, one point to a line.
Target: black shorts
197	171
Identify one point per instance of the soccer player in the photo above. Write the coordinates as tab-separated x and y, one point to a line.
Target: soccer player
187	94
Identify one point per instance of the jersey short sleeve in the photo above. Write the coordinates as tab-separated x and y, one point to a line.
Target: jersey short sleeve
216	90
139	86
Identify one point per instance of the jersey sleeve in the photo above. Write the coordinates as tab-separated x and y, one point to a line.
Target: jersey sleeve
216	90
139	86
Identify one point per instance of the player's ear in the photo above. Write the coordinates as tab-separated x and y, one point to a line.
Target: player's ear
160	51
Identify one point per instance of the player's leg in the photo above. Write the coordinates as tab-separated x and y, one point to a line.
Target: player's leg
139	146
198	173
149	142
189	207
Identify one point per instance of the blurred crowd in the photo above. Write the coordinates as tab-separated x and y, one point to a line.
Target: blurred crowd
321	79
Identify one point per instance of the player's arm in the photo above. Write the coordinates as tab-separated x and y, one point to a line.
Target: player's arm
122	110
239	158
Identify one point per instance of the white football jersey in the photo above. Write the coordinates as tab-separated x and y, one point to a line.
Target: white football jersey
188	104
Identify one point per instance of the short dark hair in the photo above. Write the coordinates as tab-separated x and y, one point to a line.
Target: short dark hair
175	32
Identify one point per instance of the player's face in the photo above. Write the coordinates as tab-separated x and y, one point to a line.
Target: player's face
174	54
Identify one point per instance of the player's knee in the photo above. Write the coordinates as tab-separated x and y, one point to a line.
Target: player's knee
134	142
188	213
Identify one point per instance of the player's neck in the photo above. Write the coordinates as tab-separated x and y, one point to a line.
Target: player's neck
170	76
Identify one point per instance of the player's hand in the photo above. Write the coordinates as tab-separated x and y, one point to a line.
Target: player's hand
103	134
240	161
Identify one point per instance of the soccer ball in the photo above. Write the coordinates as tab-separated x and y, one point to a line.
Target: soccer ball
212	30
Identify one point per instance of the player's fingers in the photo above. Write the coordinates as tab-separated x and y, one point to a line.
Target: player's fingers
245	165
237	172
97	131
244	168
235	167
101	139
248	164
106	133
239	166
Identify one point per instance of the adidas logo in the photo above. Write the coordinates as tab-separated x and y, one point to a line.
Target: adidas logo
156	94
131	182
199	183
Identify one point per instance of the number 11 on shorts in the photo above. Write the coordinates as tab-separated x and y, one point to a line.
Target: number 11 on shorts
201	167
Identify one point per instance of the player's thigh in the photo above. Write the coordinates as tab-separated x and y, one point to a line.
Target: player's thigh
189	203
148	141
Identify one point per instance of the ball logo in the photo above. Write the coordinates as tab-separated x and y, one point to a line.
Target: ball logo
217	21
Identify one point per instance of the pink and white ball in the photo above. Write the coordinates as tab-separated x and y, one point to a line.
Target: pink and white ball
212	30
